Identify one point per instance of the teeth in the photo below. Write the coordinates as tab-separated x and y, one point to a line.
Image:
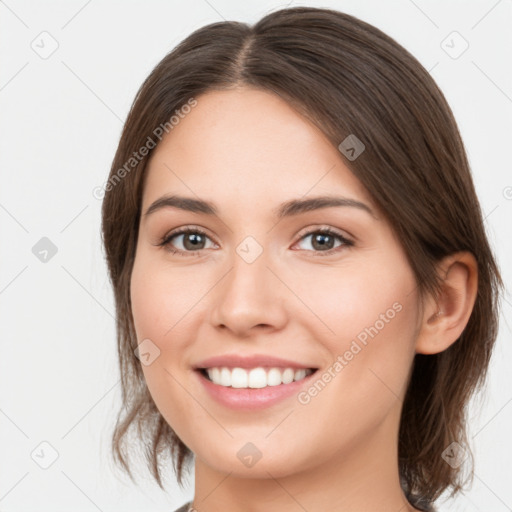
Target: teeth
255	378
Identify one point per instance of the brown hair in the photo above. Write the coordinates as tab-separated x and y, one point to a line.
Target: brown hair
348	77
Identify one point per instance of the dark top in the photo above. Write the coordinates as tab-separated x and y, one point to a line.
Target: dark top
421	506
184	508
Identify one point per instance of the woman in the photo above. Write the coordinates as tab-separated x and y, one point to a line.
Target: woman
306	298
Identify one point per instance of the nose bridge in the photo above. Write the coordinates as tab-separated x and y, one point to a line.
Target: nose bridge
249	293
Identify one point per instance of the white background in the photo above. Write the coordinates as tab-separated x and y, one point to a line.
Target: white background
61	118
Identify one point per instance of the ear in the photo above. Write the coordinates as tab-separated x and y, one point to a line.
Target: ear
445	316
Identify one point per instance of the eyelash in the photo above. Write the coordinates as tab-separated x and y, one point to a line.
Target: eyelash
165	242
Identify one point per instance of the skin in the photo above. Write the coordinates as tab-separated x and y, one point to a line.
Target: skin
247	151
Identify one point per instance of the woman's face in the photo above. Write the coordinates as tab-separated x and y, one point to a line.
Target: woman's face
257	283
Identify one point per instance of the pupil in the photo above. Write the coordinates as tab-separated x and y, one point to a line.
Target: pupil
320	239
194	239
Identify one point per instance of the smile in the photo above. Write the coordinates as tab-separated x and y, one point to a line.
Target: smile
254	378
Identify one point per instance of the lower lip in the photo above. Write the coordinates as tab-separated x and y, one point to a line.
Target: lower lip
252	398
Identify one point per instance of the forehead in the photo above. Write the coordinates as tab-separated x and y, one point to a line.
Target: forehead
249	147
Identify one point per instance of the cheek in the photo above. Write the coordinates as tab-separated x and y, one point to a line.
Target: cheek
373	315
160	302
346	301
368	323
161	298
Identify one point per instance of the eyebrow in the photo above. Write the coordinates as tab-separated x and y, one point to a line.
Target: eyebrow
286	209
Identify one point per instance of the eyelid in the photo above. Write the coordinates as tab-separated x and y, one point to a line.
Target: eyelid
185	229
325	227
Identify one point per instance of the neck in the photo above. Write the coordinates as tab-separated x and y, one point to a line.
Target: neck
362	477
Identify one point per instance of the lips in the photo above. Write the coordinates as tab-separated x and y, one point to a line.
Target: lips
256	393
252	382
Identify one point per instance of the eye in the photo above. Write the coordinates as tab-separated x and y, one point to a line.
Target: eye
192	241
324	239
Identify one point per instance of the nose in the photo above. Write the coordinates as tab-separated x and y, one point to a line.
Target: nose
249	298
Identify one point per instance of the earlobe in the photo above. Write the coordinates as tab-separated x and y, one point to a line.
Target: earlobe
445	316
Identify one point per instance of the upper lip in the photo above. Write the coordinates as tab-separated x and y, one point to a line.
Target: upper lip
253	361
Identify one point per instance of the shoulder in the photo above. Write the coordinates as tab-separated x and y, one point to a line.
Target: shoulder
421	503
184	508
426	507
